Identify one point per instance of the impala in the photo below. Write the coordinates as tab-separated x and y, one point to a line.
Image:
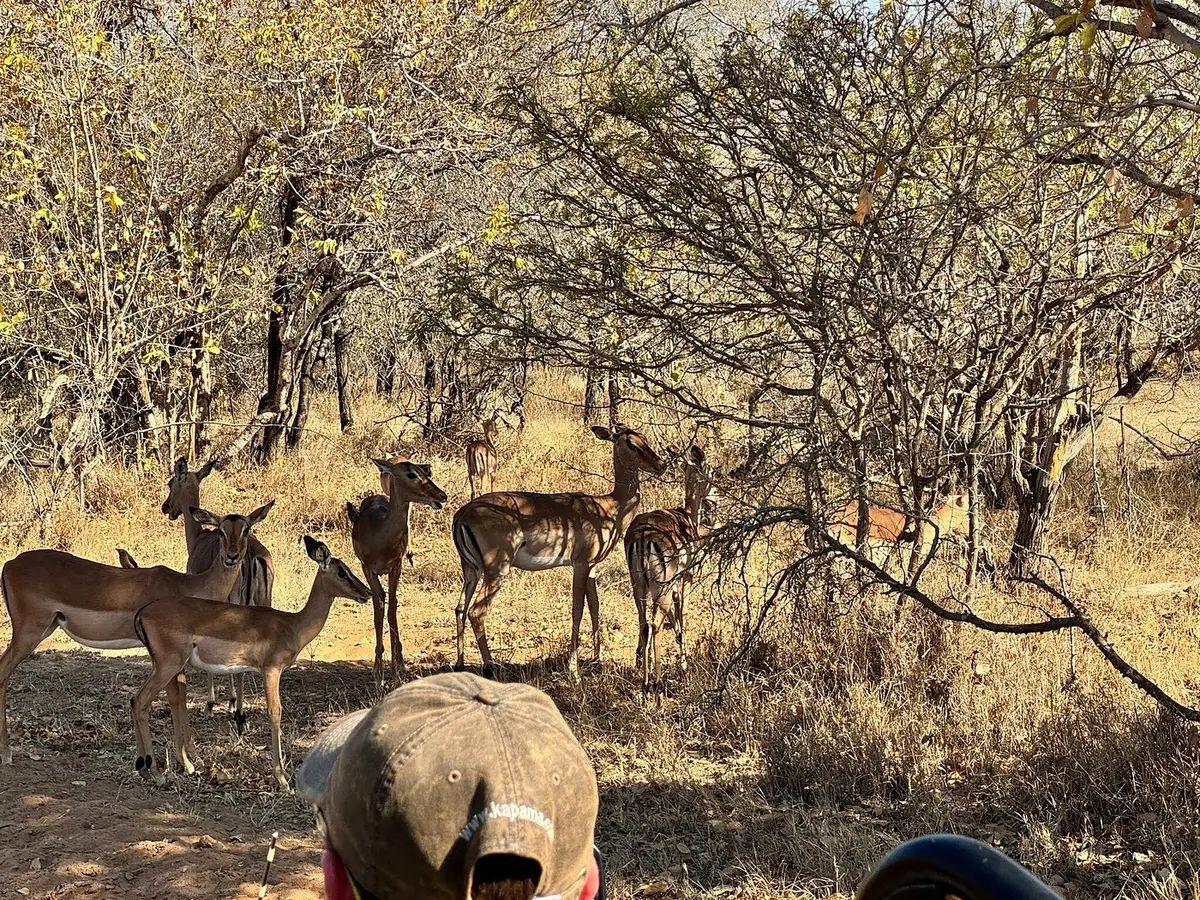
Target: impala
481	456
657	550
222	638
888	528
496	532
256	577
94	604
381	537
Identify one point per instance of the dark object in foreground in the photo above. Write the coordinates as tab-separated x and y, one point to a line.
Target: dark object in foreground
943	865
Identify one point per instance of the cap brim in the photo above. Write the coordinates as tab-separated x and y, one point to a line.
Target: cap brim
314	773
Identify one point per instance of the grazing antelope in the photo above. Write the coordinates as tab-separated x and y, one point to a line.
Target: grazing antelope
657	550
496	532
888	528
381	536
256	578
94	604
222	638
481	456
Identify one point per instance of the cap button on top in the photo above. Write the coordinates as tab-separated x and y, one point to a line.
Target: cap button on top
487	696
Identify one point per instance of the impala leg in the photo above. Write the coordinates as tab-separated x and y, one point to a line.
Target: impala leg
237	685
24	641
159	678
478	615
579	581
377	601
275	711
212	692
470	581
393	625
678	622
177	701
639	601
593	603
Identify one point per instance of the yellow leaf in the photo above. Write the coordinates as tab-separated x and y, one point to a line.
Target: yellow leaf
1087	36
865	201
1177	265
110	196
1063	24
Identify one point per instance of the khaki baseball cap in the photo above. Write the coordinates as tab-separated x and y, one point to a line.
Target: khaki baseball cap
444	771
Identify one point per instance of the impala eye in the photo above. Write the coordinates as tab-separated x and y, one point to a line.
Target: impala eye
412	476
343	574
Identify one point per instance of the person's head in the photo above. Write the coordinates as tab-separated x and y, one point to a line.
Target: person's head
454	788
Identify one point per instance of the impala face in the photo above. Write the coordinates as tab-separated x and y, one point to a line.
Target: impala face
183	487
347	584
634	447
414	481
234	531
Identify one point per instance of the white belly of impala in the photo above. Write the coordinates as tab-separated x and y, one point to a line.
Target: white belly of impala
216	668
522	559
118	644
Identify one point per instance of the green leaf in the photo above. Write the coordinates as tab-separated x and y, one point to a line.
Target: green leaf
1087	36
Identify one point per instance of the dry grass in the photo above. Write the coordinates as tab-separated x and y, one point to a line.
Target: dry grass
848	729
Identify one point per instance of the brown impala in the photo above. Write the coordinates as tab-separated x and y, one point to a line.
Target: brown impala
222	638
481	457
657	550
496	532
381	540
256	577
94	604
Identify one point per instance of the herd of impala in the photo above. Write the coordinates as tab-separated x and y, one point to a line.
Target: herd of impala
217	616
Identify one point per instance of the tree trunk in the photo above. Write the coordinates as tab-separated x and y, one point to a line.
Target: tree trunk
278	368
451	395
520	390
429	385
614	397
200	397
341	361
315	361
1043	477
385	375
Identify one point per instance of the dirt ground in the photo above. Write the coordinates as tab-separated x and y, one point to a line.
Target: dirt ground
76	820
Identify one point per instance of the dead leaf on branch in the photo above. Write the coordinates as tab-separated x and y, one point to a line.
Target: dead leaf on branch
866	200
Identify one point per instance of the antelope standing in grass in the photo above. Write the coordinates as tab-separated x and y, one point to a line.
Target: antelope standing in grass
888	528
657	548
381	537
256	577
496	532
481	456
94	604
224	638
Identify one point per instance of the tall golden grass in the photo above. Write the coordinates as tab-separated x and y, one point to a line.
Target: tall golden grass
849	727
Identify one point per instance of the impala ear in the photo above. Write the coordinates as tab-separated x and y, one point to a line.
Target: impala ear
602	433
317	551
261	513
695	455
383	465
203	517
126	558
351	512
180	467
427	469
206	470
